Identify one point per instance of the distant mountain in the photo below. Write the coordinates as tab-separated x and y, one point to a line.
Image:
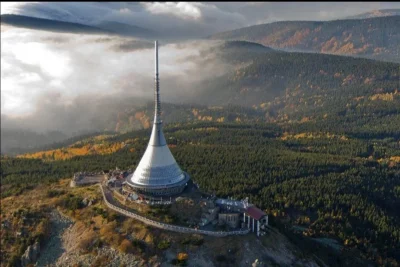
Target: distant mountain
243	47
50	25
127	29
268	74
376	38
104	27
236	52
376	13
274	86
15	141
310	87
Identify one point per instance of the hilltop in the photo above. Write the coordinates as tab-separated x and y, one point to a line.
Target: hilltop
314	184
73	233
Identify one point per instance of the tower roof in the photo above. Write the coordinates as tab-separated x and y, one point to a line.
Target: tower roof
157	168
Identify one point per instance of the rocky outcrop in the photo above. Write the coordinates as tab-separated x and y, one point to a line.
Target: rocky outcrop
31	254
87	202
53	247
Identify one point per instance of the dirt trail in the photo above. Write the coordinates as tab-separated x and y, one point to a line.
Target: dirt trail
61	249
54	247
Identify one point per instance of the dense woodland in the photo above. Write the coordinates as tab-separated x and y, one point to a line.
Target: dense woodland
337	185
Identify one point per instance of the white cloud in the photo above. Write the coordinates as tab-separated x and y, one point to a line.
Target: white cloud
5	65
56	84
11	7
34	66
29	77
183	10
13	99
54	63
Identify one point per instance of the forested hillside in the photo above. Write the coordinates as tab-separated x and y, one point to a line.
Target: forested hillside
306	88
334	184
264	85
376	38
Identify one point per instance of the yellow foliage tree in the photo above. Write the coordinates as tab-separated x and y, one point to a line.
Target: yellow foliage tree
126	246
182	256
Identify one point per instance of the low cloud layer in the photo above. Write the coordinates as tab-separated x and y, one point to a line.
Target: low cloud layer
66	82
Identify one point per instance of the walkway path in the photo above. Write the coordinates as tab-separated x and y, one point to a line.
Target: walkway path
114	205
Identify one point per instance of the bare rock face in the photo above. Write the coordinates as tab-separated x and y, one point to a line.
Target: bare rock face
31	254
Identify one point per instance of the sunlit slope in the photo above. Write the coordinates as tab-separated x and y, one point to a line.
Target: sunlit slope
97	145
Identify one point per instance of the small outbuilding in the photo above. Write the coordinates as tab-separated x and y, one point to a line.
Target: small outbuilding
256	217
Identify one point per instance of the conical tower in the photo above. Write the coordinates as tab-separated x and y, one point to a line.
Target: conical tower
157	172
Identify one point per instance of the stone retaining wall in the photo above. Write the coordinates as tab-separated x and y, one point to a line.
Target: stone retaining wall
88	180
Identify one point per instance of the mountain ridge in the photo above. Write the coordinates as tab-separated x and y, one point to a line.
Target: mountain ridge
50	24
103	27
372	38
127	29
376	13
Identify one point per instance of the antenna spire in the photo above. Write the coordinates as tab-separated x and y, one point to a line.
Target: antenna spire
157	111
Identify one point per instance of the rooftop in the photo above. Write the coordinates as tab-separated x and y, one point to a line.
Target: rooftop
255	213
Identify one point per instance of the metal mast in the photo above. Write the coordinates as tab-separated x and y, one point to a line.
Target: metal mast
157	111
157	137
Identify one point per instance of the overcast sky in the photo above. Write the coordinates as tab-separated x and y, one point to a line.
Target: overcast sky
45	71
